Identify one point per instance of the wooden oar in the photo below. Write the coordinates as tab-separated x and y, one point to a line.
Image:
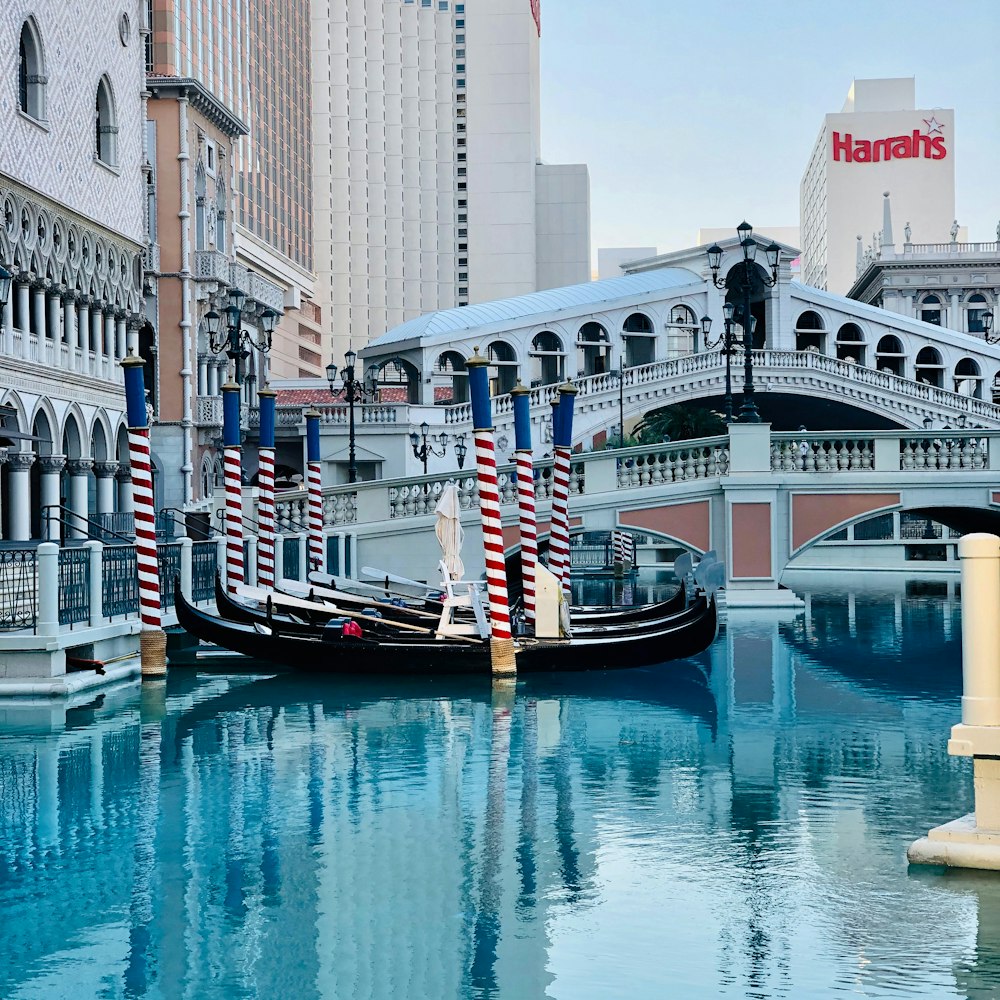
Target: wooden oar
293	586
344	583
416	628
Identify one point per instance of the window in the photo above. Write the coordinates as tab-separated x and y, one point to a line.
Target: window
460	8
976	309
442	4
460	39
462	171
930	310
210	157
463	290
459	22
460	68
425	3
463	232
105	125
463	275
31	78
460	81
459	53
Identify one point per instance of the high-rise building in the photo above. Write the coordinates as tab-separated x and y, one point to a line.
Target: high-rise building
878	142
430	192
229	208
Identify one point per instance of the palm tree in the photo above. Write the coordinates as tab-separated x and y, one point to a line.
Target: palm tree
680	422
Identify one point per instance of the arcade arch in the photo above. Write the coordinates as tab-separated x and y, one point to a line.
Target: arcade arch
593	355
851	344
548	359
639	339
929	368
503	367
889	355
810	332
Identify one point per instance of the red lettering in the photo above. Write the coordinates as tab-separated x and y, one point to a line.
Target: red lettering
921	145
842	145
940	152
862	151
900	147
881	149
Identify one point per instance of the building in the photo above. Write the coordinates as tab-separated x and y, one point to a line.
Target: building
953	285
880	141
612	261
72	234
430	190
229	210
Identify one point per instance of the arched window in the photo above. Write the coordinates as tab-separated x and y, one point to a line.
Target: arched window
31	77
930	310
929	368
503	367
682	332
593	350
968	378
200	189
851	344
809	332
451	380
105	124
548	359
975	309
889	356
639	340
221	212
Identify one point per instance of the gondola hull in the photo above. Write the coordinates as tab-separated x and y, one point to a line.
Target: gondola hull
336	653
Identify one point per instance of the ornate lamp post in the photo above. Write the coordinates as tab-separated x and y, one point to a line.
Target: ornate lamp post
744	271
987	321
5	279
235	341
423	447
619	374
354	391
728	341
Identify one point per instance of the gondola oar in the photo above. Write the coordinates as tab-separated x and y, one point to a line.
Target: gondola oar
344	583
415	628
317	593
381	574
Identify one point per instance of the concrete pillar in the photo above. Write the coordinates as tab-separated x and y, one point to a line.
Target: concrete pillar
304	557
124	479
279	556
187	567
251	561
51	467
24	305
954	313
83	334
202	375
120	337
7	326
69	329
105	473
55	324
79	504
41	320
96	581
96	336
108	343
20	494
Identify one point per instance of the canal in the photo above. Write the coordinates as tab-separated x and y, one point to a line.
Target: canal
731	826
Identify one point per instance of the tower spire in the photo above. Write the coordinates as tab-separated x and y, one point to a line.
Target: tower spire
888	243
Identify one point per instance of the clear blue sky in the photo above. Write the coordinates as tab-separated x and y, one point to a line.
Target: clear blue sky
697	114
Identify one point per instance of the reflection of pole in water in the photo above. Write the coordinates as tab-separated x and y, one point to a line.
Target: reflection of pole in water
526	865
140	969
569	856
486	933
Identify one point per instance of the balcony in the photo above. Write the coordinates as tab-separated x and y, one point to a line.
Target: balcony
210	265
208	411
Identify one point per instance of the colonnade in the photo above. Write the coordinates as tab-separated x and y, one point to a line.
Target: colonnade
65	329
113	493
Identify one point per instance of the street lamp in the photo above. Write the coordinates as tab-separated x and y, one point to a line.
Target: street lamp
728	341
619	374
424	446
5	279
745	271
987	322
235	341
354	391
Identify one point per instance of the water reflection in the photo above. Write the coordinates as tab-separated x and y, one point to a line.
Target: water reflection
736	828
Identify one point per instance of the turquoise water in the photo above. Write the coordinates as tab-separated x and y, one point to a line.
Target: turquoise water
636	835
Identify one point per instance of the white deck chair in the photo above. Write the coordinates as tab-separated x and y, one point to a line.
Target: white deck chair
462	594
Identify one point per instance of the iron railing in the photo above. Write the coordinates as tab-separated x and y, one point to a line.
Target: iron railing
18	589
121	582
204	565
168	559
74	586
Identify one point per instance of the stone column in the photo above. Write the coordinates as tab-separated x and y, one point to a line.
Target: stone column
69	327
40	317
202	375
955	314
96	337
124	479
105	473
120	337
55	325
20	494
24	305
79	482
7	325
51	466
110	332
83	334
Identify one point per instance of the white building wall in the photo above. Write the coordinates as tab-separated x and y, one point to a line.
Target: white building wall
562	224
841	198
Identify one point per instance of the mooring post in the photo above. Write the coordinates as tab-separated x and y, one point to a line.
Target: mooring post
973	841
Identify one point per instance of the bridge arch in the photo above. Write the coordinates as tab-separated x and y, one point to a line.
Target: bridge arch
395	373
682	328
810	332
929	367
851	344
451	378
889	355
760	295
638	340
969	378
548	359
593	356
503	367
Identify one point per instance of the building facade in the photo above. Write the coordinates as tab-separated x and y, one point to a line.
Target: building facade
228	210
880	141
430	192
71	232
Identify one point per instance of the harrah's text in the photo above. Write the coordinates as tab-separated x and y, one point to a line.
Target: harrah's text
897	147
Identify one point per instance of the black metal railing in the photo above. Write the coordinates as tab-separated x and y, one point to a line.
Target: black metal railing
18	589
168	559
74	586
204	565
70	520
290	563
120	580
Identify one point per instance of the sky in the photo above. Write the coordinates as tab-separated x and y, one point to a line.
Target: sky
699	113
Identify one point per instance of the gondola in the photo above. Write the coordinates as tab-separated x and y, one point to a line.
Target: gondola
334	652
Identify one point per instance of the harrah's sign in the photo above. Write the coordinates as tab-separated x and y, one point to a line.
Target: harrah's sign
898	147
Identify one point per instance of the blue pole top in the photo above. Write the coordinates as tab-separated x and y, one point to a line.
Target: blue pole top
230	415
521	397
312	435
268	401
479	392
135	391
564	430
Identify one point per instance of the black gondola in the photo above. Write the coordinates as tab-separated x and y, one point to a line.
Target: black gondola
333	652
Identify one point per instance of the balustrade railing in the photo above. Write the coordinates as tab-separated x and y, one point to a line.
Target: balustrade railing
74	586
705	458
818	453
18	589
953	453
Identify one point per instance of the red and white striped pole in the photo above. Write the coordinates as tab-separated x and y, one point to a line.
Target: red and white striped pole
314	483
265	482
232	468
618	546
152	638
525	498
502	649
562	431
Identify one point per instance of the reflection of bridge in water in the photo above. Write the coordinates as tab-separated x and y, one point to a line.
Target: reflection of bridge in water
291	837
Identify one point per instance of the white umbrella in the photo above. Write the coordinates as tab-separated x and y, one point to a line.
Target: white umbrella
449	530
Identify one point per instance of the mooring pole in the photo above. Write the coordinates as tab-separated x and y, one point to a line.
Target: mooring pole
314	479
521	397
265	482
